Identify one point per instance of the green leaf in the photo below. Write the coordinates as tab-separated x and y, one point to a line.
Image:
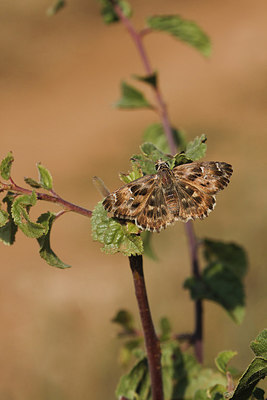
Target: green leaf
223	359
46	220
55	8
165	329
148	250
21	217
221	285
5	166
181	158
197	148
182	375
259	345
8	231
150	154
125	319
135	383
132	175
132	98
144	163
109	14
114	236
256	371
154	154
187	31
155	134
31	182
45	177
3	217
151	80
229	254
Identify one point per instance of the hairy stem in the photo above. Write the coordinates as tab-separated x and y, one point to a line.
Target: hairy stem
163	112
151	341
52	198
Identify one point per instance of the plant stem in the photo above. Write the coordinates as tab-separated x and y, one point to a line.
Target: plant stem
163	112
198	330
151	341
53	198
137	39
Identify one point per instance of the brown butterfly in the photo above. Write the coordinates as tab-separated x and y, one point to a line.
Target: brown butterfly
179	194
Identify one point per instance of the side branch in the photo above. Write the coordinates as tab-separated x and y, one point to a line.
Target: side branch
151	341
52	198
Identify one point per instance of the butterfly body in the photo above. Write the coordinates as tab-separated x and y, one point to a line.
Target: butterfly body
182	193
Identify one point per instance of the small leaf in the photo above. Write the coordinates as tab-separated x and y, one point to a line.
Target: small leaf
135	382
148	250
151	80
3	217
125	319
197	148
152	152
132	98
223	359
221	285
256	371
132	228
155	134
21	217
187	31
113	235
55	8
8	231
132	175
45	177
47	254
144	163
259	345
5	166
165	329
109	14
230	254
181	158
31	182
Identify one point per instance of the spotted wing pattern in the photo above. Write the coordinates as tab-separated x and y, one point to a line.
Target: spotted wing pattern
155	201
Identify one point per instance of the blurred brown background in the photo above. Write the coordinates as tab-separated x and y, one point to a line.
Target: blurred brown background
59	78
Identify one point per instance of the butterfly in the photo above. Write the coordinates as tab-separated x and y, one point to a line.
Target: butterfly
185	192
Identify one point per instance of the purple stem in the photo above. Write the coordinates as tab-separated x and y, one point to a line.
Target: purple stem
151	340
163	112
53	198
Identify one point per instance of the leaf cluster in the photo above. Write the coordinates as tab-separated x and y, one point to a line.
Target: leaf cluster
183	376
16	212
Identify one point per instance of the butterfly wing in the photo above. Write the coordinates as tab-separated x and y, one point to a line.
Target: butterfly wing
208	177
141	201
196	184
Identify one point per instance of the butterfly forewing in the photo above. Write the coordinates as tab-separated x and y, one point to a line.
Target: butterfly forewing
155	201
208	177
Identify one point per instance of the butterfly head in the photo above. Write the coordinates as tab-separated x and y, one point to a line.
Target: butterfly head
162	165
